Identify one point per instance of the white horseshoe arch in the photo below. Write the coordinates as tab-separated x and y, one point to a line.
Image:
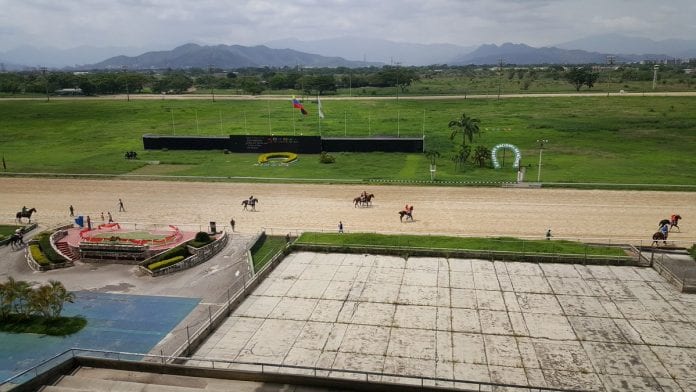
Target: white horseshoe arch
506	146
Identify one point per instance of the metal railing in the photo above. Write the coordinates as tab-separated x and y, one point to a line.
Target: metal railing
269	368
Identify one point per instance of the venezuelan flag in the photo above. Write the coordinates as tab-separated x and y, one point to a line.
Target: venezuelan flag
298	105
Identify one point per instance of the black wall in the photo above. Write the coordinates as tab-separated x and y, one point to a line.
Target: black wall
297	144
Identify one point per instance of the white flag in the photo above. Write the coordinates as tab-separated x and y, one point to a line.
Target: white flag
321	113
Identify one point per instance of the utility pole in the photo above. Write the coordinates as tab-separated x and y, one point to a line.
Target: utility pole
500	76
125	73
43	70
655	68
541	149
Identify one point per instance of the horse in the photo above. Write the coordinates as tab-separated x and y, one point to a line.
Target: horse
674	222
25	214
363	200
250	203
408	214
664	222
657	237
16	241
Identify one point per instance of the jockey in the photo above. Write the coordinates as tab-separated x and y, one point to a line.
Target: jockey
24	210
406	207
664	230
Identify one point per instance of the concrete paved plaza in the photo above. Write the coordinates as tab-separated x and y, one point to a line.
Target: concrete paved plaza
551	325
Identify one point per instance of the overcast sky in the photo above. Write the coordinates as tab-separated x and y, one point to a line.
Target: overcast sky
168	23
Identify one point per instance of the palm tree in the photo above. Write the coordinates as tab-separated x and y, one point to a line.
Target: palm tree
17	296
59	296
481	154
40	300
432	156
465	125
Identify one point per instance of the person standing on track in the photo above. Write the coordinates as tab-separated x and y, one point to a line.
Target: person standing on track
121	208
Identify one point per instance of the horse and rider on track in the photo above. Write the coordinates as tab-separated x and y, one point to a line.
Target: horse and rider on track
664	227
364	200
250	203
406	212
25	213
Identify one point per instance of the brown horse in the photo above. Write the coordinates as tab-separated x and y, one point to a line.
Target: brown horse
25	214
657	237
250	203
408	214
363	200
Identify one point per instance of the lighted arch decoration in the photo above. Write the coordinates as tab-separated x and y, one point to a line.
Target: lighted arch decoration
505	146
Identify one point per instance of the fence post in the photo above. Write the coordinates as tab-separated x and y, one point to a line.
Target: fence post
162	355
188	340
210	318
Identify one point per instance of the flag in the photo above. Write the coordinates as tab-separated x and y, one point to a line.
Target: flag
321	113
297	104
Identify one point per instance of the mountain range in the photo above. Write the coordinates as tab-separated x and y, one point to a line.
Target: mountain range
350	52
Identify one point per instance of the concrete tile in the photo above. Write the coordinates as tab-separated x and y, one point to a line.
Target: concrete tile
346	273
471	372
612	358
559	270
669	385
643	291
491	300
601	272
463	298
356	291
649	275
274	287
625	273
423	263
571	286
519	326
524	269
298	356
418	295
678	362
505	283
443	278
319	272
386	275
581	306
380	292
688	311
365	339
629	333
629	383
444	346
687	385
408	367
371	313
329	258
308	288
461	265
333	342
363	274
390	262
528	355
548	326
562	355
500	267
360	260
347	311
410	316
683	333
616	289
483	281
482	267
443	296
337	290
359	362
495	322
662	310
259	307
444	318
502	351
461	280
444	370
412	343
530	284
535	378
508	375
633	309
420	277
465	320
653	333
595	287
468	348
291	272
610	307
511	304
572	380
294	308
539	303
271	342
651	361
596	329
313	336
583	271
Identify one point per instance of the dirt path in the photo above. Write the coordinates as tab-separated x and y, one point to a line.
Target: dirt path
594	214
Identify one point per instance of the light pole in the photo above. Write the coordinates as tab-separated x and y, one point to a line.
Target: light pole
655	69
125	76
210	73
541	149
43	71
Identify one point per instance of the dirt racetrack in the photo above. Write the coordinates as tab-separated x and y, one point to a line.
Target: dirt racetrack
573	214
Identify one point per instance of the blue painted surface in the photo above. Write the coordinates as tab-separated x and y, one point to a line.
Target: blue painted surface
117	322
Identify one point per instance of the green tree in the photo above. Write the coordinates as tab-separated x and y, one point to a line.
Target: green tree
581	76
460	156
59	296
466	126
481	154
251	85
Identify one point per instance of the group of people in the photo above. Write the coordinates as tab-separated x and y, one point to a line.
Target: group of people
104	218
131	155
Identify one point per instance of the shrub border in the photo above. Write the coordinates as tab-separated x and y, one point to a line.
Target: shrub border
288	157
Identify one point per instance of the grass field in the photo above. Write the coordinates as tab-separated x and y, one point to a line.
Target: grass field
444	242
263	252
7	230
625	140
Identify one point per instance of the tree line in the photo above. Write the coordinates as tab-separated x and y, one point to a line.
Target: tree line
19	298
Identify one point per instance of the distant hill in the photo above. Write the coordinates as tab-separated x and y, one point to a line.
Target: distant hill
224	56
32	57
526	55
380	50
617	43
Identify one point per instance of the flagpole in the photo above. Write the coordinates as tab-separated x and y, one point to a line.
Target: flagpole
345	123
293	121
319	113
269	116
220	111
369	124
245	124
423	130
398	123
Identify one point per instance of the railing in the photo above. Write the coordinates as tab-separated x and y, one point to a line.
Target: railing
267	368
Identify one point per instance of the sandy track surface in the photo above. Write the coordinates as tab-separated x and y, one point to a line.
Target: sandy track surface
569	213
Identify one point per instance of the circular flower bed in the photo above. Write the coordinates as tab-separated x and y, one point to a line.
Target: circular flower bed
283	157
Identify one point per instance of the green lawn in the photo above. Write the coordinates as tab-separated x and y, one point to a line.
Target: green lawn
618	140
59	326
7	230
261	253
444	242
133	235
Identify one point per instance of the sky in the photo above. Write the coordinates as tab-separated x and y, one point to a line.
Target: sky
165	24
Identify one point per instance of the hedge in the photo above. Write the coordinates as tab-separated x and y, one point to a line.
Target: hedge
180	250
37	255
46	248
165	263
